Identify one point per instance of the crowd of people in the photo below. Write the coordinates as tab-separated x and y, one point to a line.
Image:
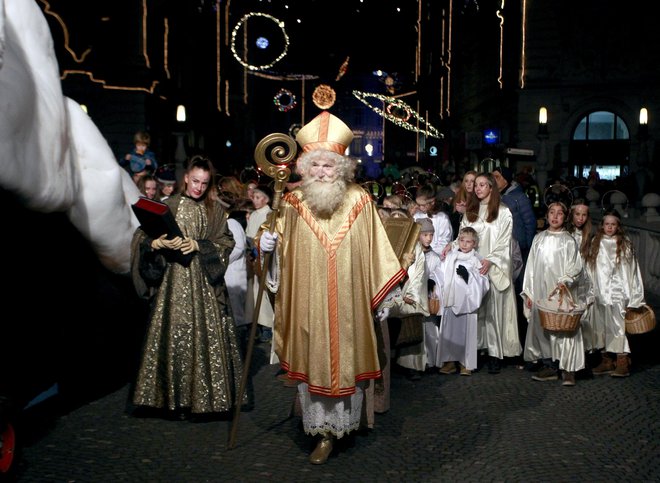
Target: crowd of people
338	297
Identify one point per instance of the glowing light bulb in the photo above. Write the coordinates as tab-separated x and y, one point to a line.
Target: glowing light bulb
181	113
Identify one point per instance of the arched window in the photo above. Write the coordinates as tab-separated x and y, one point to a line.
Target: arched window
601	126
602	140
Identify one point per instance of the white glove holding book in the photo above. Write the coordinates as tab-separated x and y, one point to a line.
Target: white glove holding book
163	242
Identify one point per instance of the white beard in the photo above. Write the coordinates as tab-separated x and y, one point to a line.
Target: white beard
323	198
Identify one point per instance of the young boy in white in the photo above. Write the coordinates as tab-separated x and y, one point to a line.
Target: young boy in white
432	284
414	303
463	289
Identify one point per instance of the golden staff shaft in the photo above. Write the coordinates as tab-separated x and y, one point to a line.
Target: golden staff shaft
282	149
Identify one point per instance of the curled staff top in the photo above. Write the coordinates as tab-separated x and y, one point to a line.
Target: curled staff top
273	154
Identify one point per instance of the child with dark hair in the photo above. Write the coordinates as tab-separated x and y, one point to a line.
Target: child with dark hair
554	263
148	186
618	285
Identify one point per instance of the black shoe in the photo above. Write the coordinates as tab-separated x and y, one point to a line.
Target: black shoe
533	366
494	365
546	374
584	374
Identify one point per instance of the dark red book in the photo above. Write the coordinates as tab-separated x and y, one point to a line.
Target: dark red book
156	219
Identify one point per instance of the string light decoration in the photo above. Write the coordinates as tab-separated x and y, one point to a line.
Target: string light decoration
283	77
343	69
324	96
285	100
238	26
398	112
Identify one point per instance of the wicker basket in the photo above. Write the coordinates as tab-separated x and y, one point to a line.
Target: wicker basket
640	321
562	317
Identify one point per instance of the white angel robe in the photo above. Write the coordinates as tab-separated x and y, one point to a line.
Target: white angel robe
414	356
497	320
617	285
584	289
432	322
554	258
461	301
236	274
266	312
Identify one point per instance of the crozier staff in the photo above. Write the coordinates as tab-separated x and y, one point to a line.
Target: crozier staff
333	265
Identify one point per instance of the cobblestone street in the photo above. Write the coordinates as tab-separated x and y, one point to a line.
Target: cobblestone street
485	427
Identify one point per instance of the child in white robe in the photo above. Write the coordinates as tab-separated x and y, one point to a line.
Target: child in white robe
554	261
618	285
463	289
432	283
413	305
580	228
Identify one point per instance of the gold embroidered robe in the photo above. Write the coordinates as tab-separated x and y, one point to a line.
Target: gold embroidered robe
331	275
191	357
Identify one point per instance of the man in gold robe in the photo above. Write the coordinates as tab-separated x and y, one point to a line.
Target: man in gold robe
332	268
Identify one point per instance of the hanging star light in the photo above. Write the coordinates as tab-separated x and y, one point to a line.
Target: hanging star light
238	26
398	112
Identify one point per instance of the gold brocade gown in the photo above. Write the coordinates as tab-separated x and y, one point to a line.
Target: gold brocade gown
191	358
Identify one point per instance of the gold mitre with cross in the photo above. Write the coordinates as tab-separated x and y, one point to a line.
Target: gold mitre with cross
325	131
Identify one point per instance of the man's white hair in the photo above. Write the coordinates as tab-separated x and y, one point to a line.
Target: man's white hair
345	165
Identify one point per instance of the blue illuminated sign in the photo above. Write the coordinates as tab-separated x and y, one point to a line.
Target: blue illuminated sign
492	136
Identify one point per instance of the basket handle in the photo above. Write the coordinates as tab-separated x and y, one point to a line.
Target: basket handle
563	291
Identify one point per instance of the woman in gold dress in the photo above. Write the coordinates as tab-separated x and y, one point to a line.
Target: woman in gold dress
191	361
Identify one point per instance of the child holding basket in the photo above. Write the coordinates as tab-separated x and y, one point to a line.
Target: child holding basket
554	263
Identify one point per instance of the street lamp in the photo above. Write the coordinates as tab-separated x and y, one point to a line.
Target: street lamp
643	123
543	121
180	155
642	172
180	113
542	160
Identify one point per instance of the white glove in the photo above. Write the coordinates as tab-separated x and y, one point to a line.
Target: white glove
267	241
188	246
383	314
158	243
163	242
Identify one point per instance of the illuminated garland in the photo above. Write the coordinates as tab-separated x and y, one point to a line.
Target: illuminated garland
324	96
398	112
240	23
283	77
282	107
343	69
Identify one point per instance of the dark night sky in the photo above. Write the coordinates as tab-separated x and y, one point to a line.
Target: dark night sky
372	33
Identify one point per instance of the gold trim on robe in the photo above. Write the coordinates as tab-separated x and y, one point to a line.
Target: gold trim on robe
334	273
